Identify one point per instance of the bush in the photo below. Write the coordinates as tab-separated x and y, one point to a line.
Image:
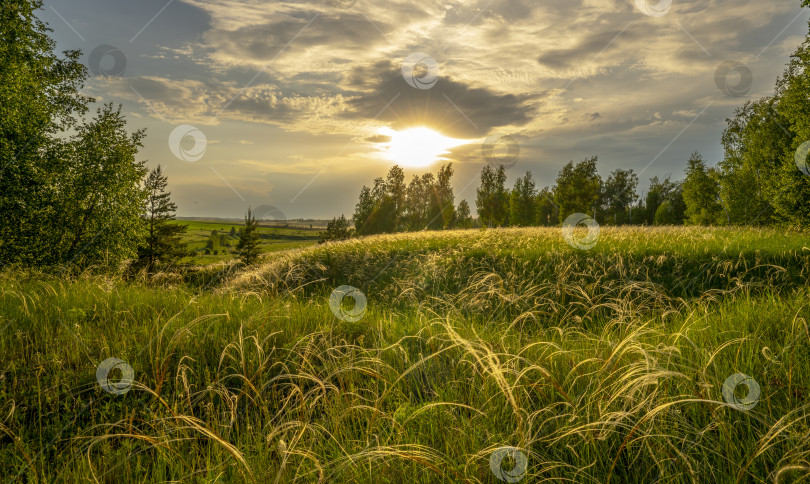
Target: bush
665	215
337	229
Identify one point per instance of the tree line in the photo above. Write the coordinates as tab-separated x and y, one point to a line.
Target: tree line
705	196
72	192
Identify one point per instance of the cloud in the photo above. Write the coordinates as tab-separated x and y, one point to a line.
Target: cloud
188	100
583	69
451	106
585	50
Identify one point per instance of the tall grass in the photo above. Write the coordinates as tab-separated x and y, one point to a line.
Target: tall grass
599	366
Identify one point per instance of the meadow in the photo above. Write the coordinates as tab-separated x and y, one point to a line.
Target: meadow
501	355
273	236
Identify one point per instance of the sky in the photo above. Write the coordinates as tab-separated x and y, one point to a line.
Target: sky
291	107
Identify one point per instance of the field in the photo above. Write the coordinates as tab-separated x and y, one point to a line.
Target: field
480	357
274	236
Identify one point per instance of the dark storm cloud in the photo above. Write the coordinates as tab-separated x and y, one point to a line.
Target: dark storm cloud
453	107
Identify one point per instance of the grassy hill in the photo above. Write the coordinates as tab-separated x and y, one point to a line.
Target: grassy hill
605	365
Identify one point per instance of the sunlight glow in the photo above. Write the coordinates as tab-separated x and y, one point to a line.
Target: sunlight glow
416	147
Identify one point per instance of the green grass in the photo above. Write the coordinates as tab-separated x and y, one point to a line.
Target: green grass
274	236
600	366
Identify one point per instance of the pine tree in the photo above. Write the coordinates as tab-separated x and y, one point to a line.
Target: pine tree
163	243
248	247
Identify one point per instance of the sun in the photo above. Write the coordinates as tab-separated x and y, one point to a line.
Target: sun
417	147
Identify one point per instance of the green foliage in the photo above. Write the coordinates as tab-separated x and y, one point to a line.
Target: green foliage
100	199
379	209
163	242
662	191
638	214
338	228
578	189
753	143
395	195
792	201
39	99
248	249
492	197
417	206
618	194
213	240
523	203
217	240
547	210
442	207
390	206
665	215
464	218
56	172
701	194
759	180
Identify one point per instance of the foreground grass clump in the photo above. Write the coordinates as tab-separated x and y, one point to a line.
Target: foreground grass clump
532	273
258	381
